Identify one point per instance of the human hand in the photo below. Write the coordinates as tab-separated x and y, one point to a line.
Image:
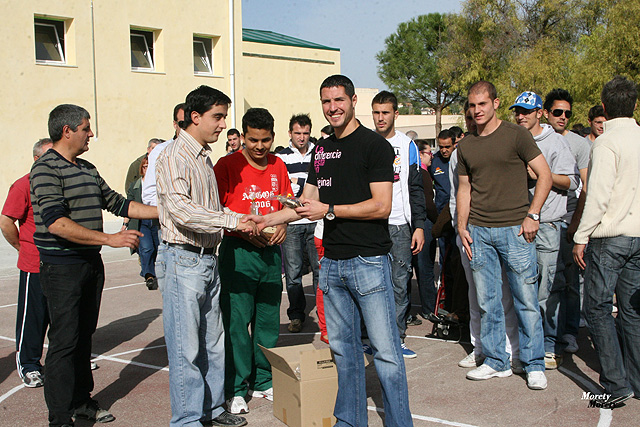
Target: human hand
312	209
417	241
465	238
578	255
532	174
124	239
277	237
529	228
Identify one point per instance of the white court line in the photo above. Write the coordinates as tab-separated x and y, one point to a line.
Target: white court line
132	351
122	286
10	392
8	305
424	418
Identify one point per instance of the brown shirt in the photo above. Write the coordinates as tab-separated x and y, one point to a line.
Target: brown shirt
496	165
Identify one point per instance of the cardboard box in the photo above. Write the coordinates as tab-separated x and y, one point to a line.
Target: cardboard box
305	385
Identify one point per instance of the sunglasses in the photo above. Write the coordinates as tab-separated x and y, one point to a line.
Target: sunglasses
558	112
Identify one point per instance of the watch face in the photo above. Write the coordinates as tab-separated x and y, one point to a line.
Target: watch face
330	216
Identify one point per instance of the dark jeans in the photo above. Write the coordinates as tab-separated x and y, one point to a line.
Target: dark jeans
299	239
423	264
613	266
148	247
73	296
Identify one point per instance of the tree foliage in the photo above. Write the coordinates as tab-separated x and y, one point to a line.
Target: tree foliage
409	64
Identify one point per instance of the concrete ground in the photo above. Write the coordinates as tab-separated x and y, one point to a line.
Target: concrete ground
133	378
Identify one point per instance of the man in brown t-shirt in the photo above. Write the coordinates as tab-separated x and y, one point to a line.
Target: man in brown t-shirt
497	225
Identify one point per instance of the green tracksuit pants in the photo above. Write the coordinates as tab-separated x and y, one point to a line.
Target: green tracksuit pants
250	302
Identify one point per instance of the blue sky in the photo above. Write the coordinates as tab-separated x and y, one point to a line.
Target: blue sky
358	28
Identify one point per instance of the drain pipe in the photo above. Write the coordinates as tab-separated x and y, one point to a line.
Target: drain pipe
232	68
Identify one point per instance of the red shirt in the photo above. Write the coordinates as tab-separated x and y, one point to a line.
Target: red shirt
235	175
18	206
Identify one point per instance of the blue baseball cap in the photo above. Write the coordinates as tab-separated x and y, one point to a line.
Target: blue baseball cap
528	100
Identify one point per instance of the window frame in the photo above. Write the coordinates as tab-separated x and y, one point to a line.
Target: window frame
60	44
208	51
149	51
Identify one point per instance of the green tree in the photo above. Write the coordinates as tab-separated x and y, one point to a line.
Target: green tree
409	64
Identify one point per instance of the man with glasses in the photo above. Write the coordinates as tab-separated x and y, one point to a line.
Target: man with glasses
557	110
527	111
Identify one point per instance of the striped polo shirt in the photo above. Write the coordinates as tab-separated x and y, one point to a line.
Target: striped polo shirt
298	169
59	189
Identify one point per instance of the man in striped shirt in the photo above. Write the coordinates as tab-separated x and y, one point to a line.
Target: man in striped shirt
299	240
191	220
68	195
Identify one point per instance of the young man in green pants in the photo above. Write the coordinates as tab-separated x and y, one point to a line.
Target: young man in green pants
250	266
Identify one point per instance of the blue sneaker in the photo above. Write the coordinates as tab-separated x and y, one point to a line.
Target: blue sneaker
366	348
406	353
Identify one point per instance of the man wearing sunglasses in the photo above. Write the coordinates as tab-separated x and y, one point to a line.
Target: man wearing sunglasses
557	110
527	111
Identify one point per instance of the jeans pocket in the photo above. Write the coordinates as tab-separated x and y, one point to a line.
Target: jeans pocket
521	254
369	274
323	275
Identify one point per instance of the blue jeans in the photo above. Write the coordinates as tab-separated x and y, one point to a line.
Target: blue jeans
401	272
359	289
193	333
613	266
148	247
423	263
550	290
299	239
490	246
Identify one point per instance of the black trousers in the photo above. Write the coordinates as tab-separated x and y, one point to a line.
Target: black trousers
31	323
73	296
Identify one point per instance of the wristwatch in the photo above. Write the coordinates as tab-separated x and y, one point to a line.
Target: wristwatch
534	216
330	215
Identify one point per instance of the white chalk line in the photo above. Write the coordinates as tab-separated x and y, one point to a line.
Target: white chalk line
425	418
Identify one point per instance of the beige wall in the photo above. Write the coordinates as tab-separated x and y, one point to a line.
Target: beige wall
132	107
286	86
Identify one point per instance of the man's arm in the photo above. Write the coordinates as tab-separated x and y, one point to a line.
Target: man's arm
540	167
140	211
463	206
10	231
68	229
577	214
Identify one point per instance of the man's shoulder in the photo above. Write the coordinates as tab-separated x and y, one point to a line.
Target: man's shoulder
285	152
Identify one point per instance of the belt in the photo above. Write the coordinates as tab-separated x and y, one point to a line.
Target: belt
191	248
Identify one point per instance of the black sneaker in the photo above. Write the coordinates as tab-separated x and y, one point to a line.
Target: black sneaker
152	283
295	326
617	401
227	419
413	321
93	412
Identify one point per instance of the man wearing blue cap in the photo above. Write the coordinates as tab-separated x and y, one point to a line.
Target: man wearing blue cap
528	111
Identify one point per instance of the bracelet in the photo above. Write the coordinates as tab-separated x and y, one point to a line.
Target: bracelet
125	224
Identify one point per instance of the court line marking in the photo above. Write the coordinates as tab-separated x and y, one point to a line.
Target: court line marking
425	418
10	392
8	305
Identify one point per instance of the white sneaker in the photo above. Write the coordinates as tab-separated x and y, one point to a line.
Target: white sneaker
484	372
471	361
33	379
266	394
536	380
237	405
572	344
516	367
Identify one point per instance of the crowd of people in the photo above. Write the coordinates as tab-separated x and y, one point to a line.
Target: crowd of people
505	205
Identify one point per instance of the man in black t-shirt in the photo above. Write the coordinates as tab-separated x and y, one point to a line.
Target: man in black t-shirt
350	186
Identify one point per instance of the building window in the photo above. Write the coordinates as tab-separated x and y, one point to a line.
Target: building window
142	50
49	38
202	55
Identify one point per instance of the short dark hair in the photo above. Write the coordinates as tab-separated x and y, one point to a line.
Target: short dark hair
484	86
596	111
339	80
257	118
557	95
447	134
37	147
65	115
456	131
385	97
201	100
465	106
233	131
619	97
327	130
301	119
177	108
